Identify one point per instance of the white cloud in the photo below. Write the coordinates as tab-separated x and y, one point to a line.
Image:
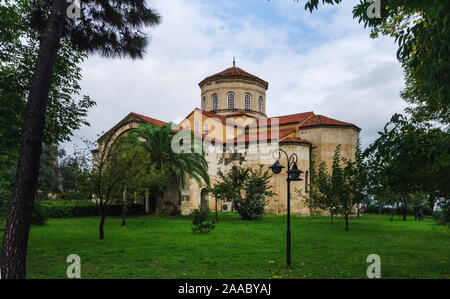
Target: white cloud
323	62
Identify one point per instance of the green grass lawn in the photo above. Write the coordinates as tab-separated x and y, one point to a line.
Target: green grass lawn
165	247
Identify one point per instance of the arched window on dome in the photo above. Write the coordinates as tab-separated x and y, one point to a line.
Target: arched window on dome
215	102
230	98
204	103
248	101
260	105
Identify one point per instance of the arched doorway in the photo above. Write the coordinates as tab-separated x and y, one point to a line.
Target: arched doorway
204	199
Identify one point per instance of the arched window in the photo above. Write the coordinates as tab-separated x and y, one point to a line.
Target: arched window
248	101
260	105
205	129
204	103
215	101
230	100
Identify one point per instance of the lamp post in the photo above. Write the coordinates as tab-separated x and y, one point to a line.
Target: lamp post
293	174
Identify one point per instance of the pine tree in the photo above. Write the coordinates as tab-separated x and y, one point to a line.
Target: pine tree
111	28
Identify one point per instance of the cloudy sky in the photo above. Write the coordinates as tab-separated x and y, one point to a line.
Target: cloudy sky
323	62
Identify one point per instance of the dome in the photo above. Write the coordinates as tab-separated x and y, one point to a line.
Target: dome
234	91
234	73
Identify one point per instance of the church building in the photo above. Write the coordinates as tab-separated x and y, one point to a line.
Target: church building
233	128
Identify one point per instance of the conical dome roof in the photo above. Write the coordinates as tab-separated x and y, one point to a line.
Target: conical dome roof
234	73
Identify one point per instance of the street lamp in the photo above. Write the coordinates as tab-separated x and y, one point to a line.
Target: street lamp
293	175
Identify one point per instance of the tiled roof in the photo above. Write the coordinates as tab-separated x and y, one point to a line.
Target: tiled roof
294	140
306	119
285	119
150	120
129	118
219	117
320	120
234	73
267	136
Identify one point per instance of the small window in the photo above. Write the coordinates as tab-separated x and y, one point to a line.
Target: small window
205	129
231	100
248	101
215	102
260	105
196	127
204	103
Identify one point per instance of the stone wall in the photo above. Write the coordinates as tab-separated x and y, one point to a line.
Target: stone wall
240	87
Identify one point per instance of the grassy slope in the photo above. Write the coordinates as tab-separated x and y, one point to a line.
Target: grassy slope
159	247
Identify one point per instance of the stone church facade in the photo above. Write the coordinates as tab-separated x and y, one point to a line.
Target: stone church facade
233	128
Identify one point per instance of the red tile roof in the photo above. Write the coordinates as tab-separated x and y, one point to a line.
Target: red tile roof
267	136
234	73
219	117
150	120
294	140
320	120
285	119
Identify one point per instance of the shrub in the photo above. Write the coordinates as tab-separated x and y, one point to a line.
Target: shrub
257	190
40	214
397	211
84	208
65	209
201	221
442	213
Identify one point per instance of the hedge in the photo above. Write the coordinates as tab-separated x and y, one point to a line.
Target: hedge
79	208
398	211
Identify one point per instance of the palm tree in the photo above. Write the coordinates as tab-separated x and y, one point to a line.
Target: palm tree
157	143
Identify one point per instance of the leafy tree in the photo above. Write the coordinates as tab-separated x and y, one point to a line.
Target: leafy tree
355	180
320	195
229	186
247	188
421	29
418	201
111	28
442	213
66	113
73	177
410	157
48	172
340	188
113	165
357	173
257	190
162	162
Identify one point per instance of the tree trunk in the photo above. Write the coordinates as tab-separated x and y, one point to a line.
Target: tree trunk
124	200
102	222
404	209
392	213
346	222
147	203
123	214
358	213
431	202
217	214
331	216
15	239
